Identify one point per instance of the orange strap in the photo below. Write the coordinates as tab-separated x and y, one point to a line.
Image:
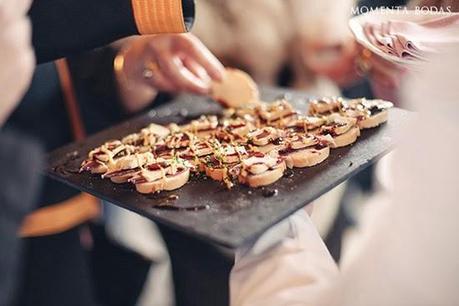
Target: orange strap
70	99
63	216
60	217
159	16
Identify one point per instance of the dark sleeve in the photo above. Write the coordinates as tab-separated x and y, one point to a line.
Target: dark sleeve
65	27
20	161
96	86
97	89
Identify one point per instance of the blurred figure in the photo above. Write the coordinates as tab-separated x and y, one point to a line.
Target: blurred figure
265	37
312	38
351	63
323	35
20	158
16	54
406	244
341	59
55	259
79	97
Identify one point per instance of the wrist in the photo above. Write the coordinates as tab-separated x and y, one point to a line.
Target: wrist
134	92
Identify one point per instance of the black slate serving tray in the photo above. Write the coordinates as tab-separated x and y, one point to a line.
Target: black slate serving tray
208	211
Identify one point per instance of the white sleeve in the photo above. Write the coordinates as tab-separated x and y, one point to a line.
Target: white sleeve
288	265
409	252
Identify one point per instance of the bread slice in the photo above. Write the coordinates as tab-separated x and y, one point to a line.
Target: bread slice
264	179
126	167
101	159
225	157
134	161
347	138
202	127
369	113
236	89
223	172
261	169
308	157
124	176
168	183
217	174
94	166
265	140
177	140
274	113
374	120
266	149
304	124
156	129
101	169
147	136
324	106
305	150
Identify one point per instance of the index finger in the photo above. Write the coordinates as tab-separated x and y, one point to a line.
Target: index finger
200	54
173	69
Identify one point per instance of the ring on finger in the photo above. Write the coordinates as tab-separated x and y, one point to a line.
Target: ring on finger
150	69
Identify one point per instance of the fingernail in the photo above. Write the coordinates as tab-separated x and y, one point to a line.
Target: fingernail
219	72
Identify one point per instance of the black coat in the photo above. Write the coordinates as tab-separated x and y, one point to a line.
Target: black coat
20	160
62	28
57	263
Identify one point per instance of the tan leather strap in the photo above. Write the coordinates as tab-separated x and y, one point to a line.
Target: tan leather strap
70	99
158	16
63	216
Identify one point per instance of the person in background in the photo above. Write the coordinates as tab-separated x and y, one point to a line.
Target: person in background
359	74
339	58
54	263
17	56
408	251
56	257
351	64
20	158
278	30
55	260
